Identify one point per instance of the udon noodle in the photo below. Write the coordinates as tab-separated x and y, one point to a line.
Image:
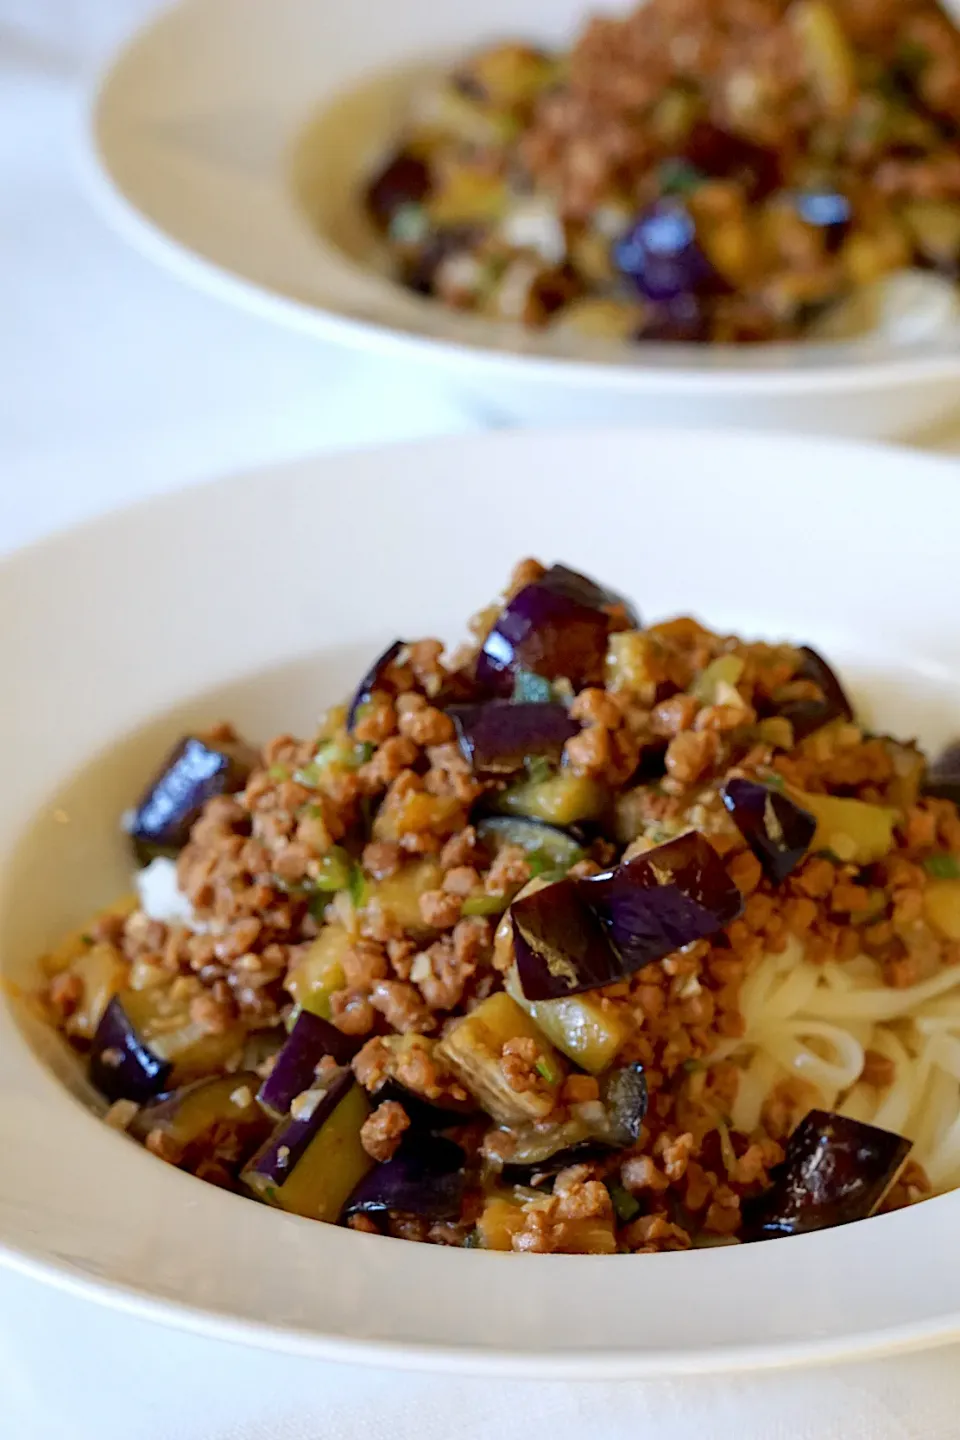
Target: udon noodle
817	1022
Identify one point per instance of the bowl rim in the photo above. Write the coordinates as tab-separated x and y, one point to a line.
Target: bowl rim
27	1249
429	1358
843	370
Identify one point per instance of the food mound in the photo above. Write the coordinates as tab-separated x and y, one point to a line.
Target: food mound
594	936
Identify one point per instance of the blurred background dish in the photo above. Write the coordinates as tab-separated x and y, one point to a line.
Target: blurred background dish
235	145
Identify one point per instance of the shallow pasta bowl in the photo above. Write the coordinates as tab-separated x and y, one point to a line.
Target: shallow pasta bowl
261	599
230	141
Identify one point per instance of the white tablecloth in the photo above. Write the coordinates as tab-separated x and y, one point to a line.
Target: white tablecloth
116	382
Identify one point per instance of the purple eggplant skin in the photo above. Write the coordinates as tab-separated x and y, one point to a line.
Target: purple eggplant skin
808	715
943	775
684	321
582	934
584	591
372	680
497	737
295	1068
828	211
562	847
661	256
423	1114
121	1066
836	1170
403	179
314	1158
292	1136
194	772
719	154
557	627
623	1093
540	1174
664	899
560	944
778	831
425	1177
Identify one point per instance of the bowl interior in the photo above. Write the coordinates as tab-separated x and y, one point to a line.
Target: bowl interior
312	567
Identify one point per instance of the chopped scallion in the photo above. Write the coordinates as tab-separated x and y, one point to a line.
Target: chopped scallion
484	905
332	753
530	689
335	871
542	863
678	177
357	887
626	1206
942	867
538	768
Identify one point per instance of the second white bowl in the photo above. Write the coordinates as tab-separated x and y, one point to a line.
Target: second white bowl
197	155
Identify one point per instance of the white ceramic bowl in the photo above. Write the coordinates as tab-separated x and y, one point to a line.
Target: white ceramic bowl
198	156
261	599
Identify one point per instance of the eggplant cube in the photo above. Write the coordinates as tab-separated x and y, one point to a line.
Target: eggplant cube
196	770
295	1067
473	1048
836	1170
580	935
557	626
579	1026
376	678
943	776
498	737
425	1177
163	1021
122	1066
560	944
808	715
856	831
314	1160
775	827
219	1115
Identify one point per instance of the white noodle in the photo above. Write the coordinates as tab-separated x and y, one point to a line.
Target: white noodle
756	1082
860	1104
945	1053
786	1042
815	1023
793	995
880	1002
894	1109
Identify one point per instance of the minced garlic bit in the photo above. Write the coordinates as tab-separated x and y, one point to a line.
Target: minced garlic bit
121	1114
304	1104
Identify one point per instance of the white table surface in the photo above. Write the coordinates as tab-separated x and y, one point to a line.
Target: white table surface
115	382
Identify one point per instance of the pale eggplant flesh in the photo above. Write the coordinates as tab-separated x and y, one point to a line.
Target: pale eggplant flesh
314	1158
